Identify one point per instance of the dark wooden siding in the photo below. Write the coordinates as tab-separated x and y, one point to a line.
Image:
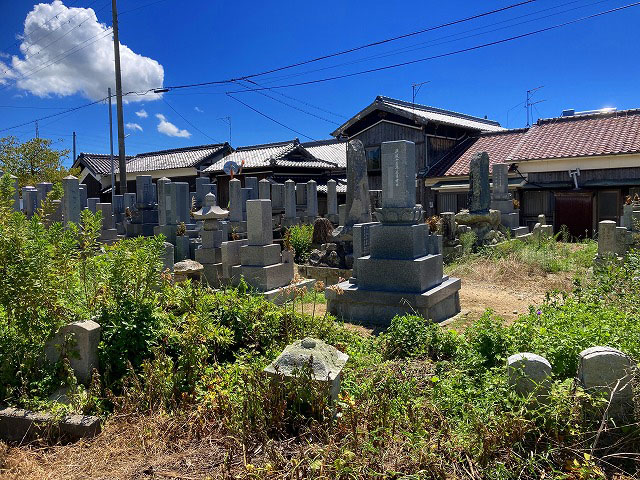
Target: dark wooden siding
597	175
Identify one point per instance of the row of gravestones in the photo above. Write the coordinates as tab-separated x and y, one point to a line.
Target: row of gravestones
298	202
601	370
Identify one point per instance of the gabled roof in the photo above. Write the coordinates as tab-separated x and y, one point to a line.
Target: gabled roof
332	150
609	133
498	145
594	134
186	157
422	114
290	153
97	163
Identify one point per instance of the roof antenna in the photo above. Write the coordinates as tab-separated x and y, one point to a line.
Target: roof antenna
415	89
528	104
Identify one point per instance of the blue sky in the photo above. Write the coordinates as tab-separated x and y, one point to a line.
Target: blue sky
587	65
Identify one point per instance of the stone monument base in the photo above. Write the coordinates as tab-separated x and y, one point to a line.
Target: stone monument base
265	278
357	305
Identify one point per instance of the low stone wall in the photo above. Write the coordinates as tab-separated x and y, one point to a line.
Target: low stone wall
328	275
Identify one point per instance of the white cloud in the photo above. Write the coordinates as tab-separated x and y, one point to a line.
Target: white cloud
133	126
169	128
142	113
73	53
198	109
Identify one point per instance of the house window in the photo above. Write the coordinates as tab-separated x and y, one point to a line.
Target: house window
373	158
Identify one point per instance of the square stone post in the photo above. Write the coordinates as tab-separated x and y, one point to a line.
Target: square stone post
264	189
332	197
277	196
259	225
312	199
16	193
290	199
71	200
43	189
235	200
606	237
162	200
252	183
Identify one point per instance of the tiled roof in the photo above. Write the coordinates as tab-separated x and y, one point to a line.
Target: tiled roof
424	114
498	145
611	133
269	155
186	157
98	163
341	186
334	151
582	135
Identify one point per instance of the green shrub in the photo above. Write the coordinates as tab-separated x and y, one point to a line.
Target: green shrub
300	237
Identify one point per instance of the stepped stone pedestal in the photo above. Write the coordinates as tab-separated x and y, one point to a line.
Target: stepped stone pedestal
403	271
262	265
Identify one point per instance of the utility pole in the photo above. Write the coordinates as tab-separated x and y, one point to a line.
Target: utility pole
122	163
74	146
37	132
113	174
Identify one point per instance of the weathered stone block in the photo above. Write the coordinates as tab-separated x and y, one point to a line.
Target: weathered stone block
260	255
529	374
411	276
259	227
84	339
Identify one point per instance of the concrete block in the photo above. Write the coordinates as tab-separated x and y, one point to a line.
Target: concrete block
84	339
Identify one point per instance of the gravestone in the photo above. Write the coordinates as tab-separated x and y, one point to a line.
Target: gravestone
71	200
29	200
290	201
301	195
264	189
163	204
358	208
529	374
230	252
168	257
262	265
251	184
16	193
130	201
203	187
83	196
326	363
479	196
277	196
235	200
247	193
181	202
606	238
91	204
312	201
108	233
332	201
361	243
501	198
85	337
43	189
145	216
608	371
403	272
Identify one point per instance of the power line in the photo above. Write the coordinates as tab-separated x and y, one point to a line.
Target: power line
271	118
183	118
288	104
433	57
355	49
139	7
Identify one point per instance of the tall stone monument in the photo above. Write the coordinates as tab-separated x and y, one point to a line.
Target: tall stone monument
70	200
358	207
290	203
403	271
479	196
501	198
145	216
236	215
312	201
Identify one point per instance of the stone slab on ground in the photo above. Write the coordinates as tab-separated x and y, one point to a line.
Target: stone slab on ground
19	426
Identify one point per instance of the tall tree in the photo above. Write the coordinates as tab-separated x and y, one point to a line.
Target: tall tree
33	161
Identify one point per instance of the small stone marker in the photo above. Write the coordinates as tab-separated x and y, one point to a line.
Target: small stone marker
85	337
529	374
609	371
168	256
606	237
326	363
